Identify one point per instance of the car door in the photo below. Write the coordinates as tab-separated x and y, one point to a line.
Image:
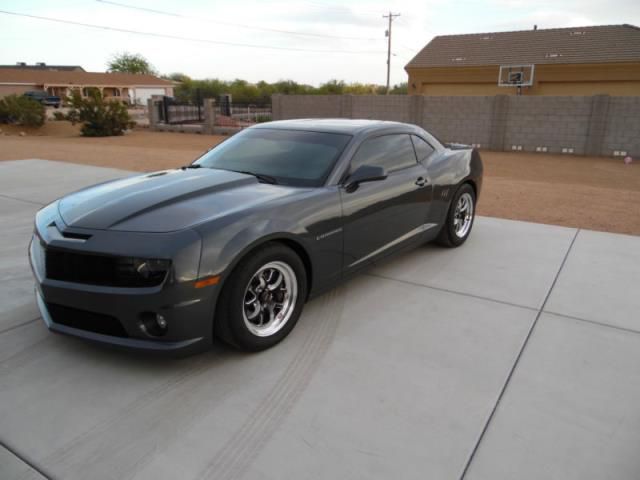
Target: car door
382	215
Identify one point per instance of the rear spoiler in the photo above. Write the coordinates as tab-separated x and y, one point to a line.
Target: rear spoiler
458	146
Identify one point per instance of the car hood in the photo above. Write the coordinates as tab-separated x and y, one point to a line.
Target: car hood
167	201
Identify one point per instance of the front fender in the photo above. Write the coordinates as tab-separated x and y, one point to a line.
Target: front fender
223	250
312	224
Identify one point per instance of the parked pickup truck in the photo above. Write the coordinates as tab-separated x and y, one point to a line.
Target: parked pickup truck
44	98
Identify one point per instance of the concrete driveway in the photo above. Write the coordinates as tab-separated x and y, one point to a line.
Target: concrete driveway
515	356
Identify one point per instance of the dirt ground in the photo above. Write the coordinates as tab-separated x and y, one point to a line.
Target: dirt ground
587	192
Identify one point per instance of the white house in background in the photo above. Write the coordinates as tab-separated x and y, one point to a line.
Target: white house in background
125	87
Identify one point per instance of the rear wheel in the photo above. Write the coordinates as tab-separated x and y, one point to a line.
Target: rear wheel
262	299
460	218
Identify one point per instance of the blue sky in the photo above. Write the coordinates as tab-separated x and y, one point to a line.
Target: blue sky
361	59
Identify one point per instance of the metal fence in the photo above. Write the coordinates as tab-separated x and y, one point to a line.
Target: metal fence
251	113
242	114
173	112
184	114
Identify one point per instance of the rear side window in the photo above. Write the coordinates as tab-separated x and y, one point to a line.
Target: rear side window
393	152
423	149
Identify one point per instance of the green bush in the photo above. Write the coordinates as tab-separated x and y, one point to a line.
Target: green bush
22	111
99	117
59	116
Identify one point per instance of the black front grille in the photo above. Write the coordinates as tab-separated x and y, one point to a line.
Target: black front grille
85	320
97	269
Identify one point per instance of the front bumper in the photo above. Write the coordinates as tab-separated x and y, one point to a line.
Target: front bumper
185	346
113	315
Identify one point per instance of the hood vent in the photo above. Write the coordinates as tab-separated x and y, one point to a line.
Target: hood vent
55	233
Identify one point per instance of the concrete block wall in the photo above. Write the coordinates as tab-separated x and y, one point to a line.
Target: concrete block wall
458	119
588	125
622	128
307	106
381	107
551	122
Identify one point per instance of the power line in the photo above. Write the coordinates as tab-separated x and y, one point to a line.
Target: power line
338	8
230	24
188	39
409	49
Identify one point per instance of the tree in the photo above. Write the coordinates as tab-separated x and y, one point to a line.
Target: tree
99	117
400	89
130	63
190	90
177	77
332	87
22	111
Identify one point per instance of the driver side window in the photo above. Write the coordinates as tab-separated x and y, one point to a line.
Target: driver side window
393	152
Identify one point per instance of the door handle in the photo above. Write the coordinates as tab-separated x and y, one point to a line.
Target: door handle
421	182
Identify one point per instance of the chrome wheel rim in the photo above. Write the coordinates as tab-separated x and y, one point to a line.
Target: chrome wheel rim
270	299
463	215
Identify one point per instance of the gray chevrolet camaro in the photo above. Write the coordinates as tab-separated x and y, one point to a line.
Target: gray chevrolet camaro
233	245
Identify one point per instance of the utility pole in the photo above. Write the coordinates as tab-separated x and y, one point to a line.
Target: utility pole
391	17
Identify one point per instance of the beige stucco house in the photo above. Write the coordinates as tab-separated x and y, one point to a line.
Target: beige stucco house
128	88
567	61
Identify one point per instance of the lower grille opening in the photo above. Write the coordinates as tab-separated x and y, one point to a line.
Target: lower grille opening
85	320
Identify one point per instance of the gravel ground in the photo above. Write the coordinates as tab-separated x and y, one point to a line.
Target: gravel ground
587	192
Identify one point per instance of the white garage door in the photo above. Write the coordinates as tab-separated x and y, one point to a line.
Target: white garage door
144	94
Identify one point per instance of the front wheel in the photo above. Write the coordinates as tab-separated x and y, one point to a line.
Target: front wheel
460	218
262	299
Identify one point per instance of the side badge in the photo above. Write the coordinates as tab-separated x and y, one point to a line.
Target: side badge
328	234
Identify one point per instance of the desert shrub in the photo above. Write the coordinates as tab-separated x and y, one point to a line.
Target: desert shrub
99	117
59	116
22	111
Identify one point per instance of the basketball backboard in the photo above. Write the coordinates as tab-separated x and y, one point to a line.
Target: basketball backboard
516	75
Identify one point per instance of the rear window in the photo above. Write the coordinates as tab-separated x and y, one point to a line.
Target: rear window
423	149
292	157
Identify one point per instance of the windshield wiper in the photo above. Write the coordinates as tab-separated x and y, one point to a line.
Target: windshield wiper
261	177
193	165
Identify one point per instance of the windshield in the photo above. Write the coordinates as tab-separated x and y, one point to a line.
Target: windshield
291	157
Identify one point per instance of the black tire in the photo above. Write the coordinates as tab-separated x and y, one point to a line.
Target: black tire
229	322
448	236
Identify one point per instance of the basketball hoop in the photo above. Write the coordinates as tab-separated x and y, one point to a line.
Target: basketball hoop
516	76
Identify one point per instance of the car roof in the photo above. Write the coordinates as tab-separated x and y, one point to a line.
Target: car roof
331	125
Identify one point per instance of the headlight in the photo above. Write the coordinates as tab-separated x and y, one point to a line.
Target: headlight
142	272
151	268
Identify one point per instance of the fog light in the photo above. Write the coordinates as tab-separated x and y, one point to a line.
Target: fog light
153	324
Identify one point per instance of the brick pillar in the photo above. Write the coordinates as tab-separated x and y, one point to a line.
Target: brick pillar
209	116
597	125
498	126
346	106
152	107
416	109
276	107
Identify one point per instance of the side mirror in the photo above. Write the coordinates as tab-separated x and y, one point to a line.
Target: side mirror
365	173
